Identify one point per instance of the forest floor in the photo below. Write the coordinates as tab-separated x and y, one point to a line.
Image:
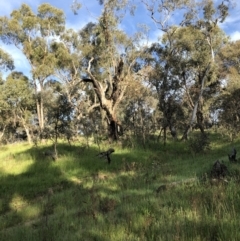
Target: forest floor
157	193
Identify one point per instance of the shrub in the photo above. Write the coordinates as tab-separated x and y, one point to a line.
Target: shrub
199	143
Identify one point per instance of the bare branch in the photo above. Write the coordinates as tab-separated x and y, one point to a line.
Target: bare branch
89	65
90	109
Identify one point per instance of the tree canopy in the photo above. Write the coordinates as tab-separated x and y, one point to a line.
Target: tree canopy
99	76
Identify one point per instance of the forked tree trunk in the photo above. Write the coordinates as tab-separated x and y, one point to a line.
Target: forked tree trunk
195	109
114	127
109	97
29	137
27	129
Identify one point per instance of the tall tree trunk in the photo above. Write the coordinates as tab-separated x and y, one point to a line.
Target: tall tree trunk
194	112
200	121
2	132
113	130
39	104
114	127
41	113
164	135
109	97
55	157
143	132
29	137
25	126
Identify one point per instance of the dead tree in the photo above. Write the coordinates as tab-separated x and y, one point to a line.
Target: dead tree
106	154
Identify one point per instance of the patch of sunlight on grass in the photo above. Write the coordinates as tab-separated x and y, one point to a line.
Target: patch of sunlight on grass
191	215
15	148
186	179
15	168
112	187
31	212
22	206
120	233
75	180
127	174
17	202
139	192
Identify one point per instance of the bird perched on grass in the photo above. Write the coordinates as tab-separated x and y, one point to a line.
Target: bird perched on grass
232	156
106	154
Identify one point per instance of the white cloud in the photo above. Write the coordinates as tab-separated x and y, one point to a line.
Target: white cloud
230	20
6	7
89	12
156	35
79	24
20	61
235	36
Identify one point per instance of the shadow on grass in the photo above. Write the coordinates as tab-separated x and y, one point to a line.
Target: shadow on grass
81	197
47	190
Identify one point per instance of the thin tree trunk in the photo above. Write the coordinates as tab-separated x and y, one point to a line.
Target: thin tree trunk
194	112
55	150
29	137
164	135
200	121
25	126
41	113
2	132
159	136
39	104
38	114
143	133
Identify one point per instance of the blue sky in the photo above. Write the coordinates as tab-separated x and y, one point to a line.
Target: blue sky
90	11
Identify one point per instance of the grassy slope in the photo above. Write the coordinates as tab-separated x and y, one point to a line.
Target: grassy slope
80	197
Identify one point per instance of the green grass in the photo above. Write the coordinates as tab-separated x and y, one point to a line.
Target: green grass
81	197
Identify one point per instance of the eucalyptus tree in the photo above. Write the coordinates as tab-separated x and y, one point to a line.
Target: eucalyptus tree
69	52
206	69
59	116
110	64
6	63
139	114
185	58
32	34
226	104
229	60
17	101
163	77
166	86
197	72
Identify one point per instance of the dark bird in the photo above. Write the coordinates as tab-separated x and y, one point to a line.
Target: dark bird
106	154
232	156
